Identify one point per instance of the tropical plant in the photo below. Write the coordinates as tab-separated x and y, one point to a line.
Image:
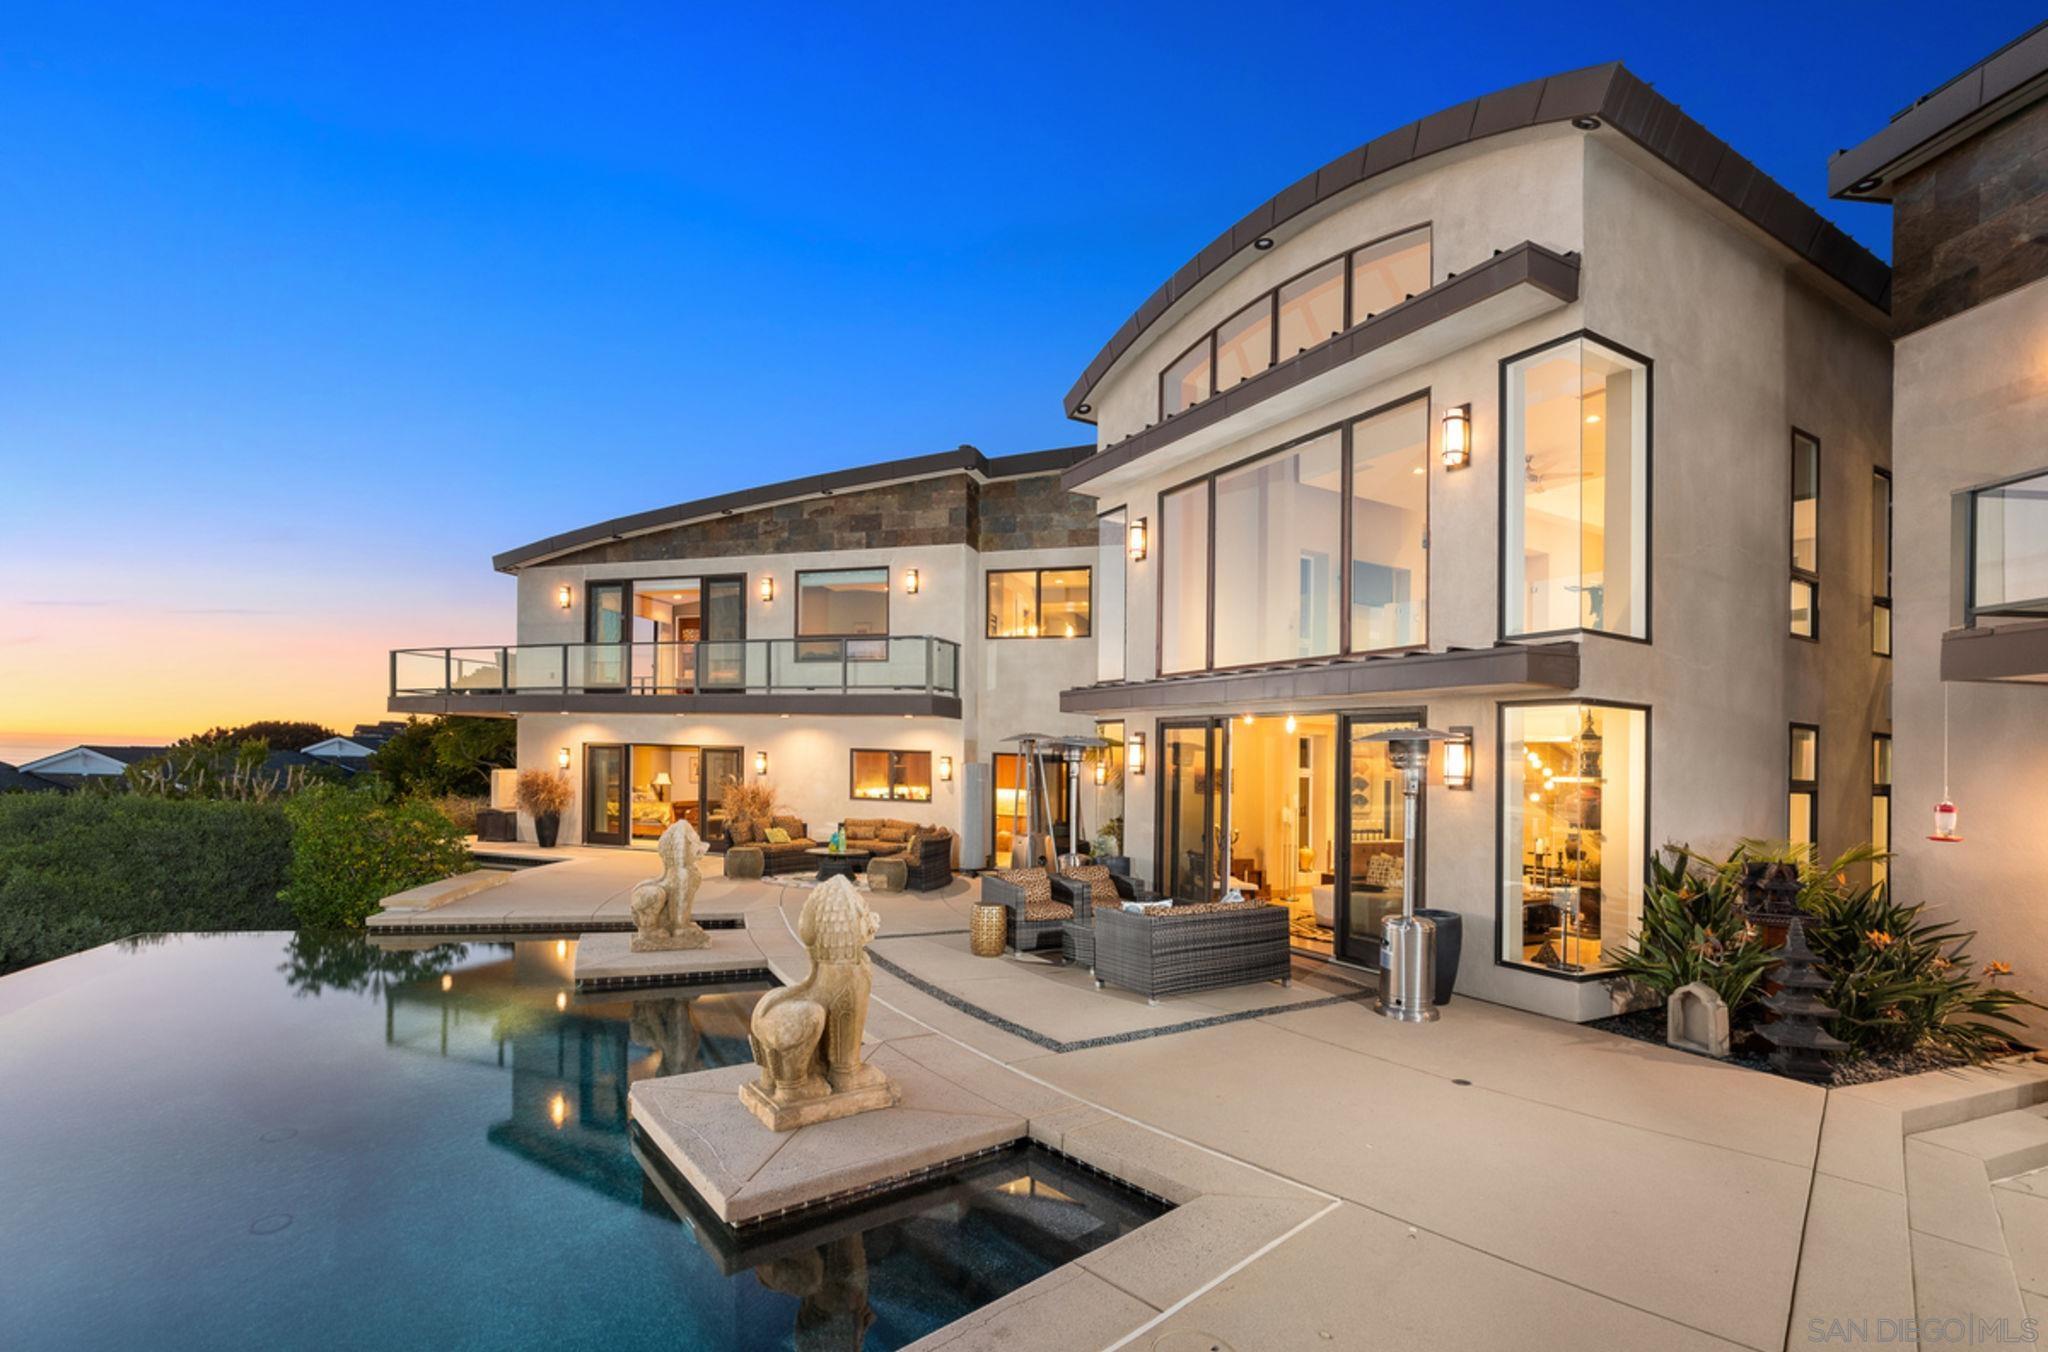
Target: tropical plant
232	771
279	734
1694	930
543	793
352	849
744	802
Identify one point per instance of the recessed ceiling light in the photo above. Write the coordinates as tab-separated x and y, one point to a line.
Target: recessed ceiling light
1866	184
1083	408
1263	242
1586	123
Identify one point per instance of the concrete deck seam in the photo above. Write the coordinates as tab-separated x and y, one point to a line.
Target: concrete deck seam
1805	1220
1206	1287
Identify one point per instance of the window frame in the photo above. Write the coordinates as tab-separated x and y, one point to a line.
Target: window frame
798	637
1272	299
895	757
1882	600
989	575
1881	789
1798	574
1207	483
1809	787
1649	366
1500	891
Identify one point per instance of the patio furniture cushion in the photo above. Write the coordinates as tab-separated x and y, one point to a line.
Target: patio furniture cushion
1194	908
778	836
740	831
792	825
1048	910
1101	885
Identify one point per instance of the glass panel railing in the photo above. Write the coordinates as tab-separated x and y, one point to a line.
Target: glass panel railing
2009	548
419	671
781	665
476	670
537	666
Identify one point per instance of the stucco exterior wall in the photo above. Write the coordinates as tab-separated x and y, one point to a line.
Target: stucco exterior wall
1972	396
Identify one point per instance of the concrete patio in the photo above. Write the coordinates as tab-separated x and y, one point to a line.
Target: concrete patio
1496	1179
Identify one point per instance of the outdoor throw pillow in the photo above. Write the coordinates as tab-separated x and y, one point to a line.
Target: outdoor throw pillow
777	836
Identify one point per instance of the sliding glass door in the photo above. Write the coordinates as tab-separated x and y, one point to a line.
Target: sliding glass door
1188	811
604	794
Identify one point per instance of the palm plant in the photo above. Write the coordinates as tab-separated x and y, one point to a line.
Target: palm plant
1694	930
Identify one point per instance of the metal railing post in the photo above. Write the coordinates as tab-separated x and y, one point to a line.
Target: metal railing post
845	667
394	672
447	671
504	670
565	668
931	662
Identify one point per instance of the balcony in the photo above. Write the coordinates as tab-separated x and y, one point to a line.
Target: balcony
898	675
2000	539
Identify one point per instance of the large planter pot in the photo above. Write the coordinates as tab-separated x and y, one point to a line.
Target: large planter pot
546	827
1450	939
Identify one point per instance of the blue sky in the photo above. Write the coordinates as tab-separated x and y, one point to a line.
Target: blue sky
304	312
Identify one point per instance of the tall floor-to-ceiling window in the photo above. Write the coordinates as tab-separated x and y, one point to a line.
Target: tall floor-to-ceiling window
1880	801
1575	480
1574	821
1802	778
1805	532
1881	563
1111	582
1275	558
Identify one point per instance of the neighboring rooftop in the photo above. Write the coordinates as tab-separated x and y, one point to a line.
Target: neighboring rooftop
13	780
1607	95
966	459
2008	79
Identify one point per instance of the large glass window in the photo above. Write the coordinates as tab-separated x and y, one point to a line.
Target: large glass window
1390	528
1185	383
1103	782
1010	804
1575	832
1244	343
1576	487
1184	579
843	603
1312	308
1881	563
1038	603
1802	825
1278	539
2008	544
1805	536
1880	800
1297	315
899	776
1387	273
1112	564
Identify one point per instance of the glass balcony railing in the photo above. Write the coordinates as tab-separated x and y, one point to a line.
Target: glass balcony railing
920	664
2004	529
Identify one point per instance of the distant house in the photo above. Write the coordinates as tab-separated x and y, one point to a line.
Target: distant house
357	746
14	780
71	768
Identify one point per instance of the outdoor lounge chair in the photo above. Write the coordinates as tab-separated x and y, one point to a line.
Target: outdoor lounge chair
1035	914
1192	948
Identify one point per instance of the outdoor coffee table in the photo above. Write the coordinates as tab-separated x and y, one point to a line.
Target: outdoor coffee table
839	863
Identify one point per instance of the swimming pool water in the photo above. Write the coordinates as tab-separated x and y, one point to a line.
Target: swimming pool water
267	1140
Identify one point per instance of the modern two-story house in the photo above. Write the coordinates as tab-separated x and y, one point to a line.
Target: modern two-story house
864	641
1548	421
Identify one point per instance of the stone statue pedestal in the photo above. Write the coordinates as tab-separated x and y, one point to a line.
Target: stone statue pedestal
687	935
806	1112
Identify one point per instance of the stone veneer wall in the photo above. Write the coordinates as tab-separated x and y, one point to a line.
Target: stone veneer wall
1033	513
1973	224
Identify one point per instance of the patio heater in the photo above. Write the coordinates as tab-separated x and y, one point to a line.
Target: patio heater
1408	941
1074	753
1037	807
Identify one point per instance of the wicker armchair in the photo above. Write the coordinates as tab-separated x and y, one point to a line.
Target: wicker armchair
931	861
1036	917
1191	948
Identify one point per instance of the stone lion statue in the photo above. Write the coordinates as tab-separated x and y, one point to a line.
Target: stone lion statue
806	1037
661	906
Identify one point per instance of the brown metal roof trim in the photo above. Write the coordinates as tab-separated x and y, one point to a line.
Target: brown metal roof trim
1610	93
2001	83
1527	264
1550	666
965	459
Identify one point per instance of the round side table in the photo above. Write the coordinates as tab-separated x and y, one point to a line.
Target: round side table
989	929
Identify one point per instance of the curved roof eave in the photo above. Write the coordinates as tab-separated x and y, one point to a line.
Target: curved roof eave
1610	93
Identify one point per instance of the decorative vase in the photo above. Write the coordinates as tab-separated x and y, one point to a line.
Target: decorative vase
545	828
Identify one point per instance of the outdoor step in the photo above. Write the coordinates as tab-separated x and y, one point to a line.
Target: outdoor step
1947	1097
2008	1143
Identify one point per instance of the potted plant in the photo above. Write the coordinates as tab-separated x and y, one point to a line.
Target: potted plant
544	795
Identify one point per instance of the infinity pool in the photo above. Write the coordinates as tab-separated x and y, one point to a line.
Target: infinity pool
265	1141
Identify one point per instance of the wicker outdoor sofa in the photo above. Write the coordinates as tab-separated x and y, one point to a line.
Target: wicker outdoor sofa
1191	948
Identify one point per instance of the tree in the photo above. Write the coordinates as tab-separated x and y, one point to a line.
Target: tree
278	734
451	755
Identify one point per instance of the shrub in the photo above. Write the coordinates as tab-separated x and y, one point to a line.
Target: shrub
745	802
1694	929
461	810
446	755
78	870
351	849
543	793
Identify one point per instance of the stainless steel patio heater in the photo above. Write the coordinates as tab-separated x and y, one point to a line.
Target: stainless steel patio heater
1074	751
1408	941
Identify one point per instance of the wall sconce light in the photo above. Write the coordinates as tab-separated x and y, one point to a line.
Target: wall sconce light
1138	540
564	596
1291	725
1134	754
760	762
1457	436
562	759
910	581
767	587
1458	759
1101	772
945	767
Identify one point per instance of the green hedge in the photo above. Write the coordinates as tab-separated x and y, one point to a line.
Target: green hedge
82	869
351	849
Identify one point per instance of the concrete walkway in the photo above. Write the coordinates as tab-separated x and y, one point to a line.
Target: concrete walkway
1496	1179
